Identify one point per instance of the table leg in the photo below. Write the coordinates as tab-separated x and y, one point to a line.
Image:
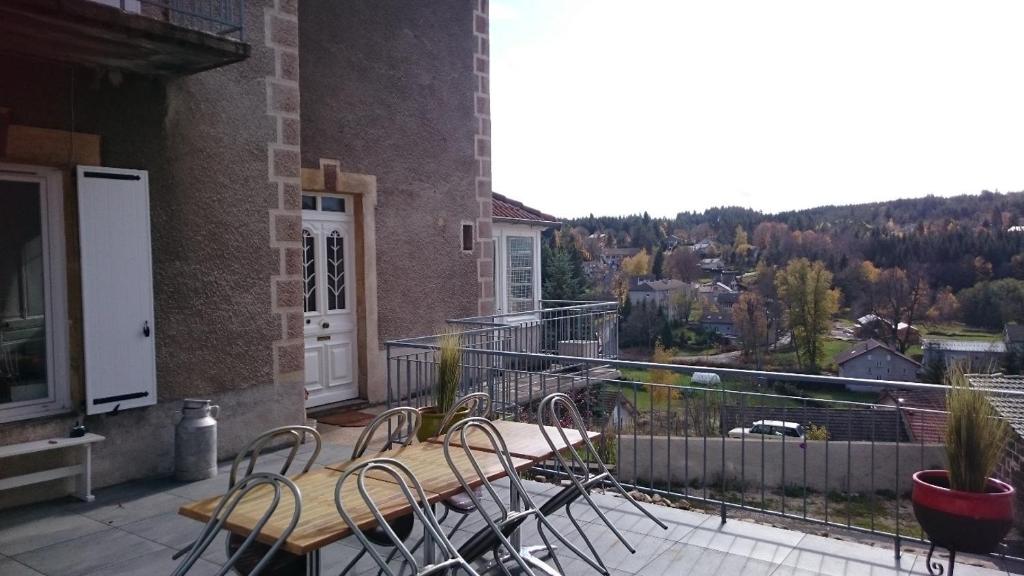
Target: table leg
83	484
527	553
515	505
313	563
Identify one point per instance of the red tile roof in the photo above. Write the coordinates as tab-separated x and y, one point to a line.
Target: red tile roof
924	412
506	208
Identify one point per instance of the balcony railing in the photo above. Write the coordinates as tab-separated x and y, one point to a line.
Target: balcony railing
217	17
153	37
672	439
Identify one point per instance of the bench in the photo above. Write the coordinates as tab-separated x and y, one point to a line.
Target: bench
82	471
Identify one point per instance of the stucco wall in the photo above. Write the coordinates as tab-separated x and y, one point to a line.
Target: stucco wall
844	466
204	140
388	90
866	366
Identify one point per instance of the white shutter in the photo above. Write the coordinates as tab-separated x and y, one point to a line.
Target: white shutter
117	289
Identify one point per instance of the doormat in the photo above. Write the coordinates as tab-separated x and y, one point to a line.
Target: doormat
345	418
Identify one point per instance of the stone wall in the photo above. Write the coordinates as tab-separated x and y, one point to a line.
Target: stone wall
860	467
395	90
221	148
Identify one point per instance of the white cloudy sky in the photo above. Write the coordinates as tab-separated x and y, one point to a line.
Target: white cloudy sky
618	106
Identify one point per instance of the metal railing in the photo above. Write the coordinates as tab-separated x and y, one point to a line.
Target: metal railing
677	438
218	17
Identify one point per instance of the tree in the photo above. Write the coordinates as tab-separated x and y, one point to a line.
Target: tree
993	304
750	315
637	265
683	303
946	307
682	264
658	264
740	246
900	297
560	282
805	289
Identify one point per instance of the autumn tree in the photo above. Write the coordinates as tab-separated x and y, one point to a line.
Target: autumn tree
805	289
946	307
741	247
661	381
750	316
682	264
637	265
683	304
900	297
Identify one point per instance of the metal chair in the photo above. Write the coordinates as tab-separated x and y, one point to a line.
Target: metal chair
248	544
402	424
295	436
479	403
497	533
581	484
421	510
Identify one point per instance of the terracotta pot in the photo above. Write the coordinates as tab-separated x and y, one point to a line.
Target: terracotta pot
430	424
963	521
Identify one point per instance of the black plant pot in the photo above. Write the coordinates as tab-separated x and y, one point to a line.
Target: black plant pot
962	521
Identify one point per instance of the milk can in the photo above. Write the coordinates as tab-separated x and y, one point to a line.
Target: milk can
195	441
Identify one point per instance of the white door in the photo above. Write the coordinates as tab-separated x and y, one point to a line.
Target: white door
117	289
329	302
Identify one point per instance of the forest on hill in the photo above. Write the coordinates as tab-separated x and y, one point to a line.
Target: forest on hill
956	240
934	260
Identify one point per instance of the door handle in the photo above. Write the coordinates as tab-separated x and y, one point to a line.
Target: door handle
145	328
325	325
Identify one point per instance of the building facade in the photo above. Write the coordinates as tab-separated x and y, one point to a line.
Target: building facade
199	219
876	361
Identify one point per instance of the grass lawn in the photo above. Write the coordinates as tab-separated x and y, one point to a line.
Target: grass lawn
957	331
785	359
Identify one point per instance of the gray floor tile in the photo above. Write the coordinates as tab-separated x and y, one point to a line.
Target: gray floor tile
832	557
88	553
169	529
745	539
697	561
117	511
964	567
10	567
27	529
153	563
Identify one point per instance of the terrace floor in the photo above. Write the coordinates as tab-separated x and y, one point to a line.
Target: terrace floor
134	528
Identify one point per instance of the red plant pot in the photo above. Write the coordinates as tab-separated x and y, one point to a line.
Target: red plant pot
963	521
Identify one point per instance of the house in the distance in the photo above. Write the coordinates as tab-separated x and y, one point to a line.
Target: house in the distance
975	355
516	231
875	361
871	326
923	413
658	293
712	264
720	322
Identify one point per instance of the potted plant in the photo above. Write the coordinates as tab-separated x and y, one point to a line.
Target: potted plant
964	509
448	357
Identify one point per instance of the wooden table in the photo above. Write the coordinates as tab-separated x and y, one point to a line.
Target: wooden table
320	524
523	440
427	463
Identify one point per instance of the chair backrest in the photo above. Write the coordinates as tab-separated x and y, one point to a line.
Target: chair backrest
508	520
279	484
287	435
421	509
479	404
552	410
402	424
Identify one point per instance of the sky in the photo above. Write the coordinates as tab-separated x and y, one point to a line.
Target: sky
616	107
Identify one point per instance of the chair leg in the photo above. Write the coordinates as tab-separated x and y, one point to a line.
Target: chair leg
583	534
551	549
541	520
457	525
622	491
352	563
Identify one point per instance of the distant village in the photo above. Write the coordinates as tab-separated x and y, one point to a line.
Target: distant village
697	318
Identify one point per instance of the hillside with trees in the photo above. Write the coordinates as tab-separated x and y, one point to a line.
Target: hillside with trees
911	261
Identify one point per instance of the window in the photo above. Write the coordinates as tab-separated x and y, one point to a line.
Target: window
335	271
33	373
520	273
308	271
467	237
